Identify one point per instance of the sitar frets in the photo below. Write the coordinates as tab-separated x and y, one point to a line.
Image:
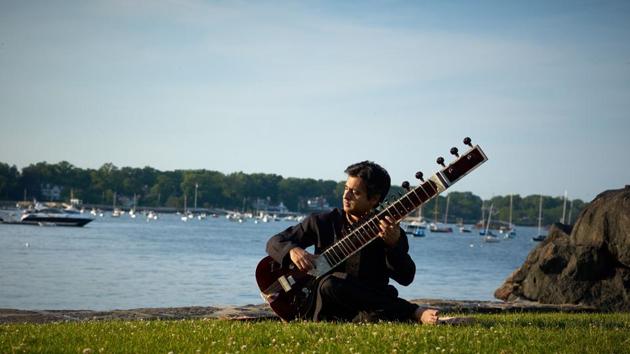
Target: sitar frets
368	230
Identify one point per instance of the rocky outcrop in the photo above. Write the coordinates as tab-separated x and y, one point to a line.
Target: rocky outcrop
588	264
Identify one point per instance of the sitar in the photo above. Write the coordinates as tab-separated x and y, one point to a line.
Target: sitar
291	292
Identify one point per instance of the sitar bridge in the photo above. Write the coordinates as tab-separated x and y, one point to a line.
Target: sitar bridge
286	282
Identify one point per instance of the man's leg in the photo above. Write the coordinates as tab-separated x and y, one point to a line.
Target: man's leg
343	299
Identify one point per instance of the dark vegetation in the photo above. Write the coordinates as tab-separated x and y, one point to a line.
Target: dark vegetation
239	191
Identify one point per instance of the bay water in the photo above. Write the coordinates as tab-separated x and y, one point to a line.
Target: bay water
124	263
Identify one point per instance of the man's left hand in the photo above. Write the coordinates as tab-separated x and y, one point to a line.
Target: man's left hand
390	231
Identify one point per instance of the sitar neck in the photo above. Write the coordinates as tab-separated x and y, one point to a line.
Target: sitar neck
368	230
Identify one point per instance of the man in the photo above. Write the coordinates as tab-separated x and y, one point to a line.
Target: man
359	288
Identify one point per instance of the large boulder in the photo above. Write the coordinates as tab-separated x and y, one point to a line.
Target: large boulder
588	264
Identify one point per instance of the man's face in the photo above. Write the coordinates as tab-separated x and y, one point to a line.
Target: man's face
355	198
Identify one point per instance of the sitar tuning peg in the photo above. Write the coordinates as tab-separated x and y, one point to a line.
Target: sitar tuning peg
419	176
440	161
454	152
467	141
405	185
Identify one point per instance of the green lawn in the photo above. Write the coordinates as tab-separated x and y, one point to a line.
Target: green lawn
510	333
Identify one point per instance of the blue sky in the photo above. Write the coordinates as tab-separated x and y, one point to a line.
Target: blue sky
304	88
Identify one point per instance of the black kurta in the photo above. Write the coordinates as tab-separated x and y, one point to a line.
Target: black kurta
360	284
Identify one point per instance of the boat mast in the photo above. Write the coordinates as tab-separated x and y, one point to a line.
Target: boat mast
196	186
510	221
448	197
540	214
483	212
564	207
489	217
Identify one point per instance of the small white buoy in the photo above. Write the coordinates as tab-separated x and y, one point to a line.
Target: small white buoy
471	245
26	245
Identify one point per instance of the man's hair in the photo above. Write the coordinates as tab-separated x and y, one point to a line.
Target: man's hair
376	178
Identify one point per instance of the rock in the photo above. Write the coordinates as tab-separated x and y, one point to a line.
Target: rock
588	264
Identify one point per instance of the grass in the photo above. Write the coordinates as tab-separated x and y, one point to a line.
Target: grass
506	333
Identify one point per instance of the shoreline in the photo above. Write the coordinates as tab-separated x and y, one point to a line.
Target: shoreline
261	311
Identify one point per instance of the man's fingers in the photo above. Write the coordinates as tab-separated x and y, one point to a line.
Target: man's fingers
302	259
305	262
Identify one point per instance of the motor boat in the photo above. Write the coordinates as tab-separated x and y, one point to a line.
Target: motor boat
41	215
415	229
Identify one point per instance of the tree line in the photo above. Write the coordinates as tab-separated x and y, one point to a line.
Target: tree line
241	191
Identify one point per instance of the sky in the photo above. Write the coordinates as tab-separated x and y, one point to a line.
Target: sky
305	88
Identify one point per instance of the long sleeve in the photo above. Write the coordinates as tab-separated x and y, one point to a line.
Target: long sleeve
301	235
400	266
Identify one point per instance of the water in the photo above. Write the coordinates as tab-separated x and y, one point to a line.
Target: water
122	263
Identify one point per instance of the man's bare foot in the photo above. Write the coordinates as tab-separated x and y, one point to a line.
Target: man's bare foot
455	321
427	316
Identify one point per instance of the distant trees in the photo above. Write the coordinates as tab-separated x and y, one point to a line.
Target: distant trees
10	188
241	191
162	188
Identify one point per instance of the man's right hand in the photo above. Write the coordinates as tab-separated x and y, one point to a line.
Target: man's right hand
302	259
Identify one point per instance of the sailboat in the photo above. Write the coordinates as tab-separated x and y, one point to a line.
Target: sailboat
435	227
488	235
540	236
511	231
416	226
483	224
115	211
186	215
132	212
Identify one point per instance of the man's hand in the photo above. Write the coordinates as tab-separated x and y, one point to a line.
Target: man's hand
390	231
302	259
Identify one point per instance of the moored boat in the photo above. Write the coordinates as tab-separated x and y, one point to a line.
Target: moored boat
41	215
436	228
539	237
415	229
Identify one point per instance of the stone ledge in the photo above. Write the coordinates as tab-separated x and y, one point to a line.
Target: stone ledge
260	311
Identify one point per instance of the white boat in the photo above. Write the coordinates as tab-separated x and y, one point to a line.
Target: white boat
186	215
41	215
132	212
436	227
415	229
115	211
490	239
